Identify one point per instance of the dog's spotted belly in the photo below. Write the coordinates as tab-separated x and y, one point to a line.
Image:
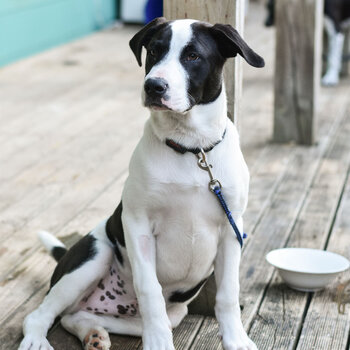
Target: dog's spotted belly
112	296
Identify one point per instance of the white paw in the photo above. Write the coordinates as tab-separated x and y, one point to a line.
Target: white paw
239	344
97	339
330	79
234	337
158	339
31	342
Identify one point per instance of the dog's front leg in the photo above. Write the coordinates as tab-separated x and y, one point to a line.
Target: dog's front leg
141	247
227	307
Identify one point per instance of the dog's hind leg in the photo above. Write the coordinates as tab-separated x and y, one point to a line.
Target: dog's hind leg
87	262
89	329
92	329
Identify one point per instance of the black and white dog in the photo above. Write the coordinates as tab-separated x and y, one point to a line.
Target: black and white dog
136	272
337	14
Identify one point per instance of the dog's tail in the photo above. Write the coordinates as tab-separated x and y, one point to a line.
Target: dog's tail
55	247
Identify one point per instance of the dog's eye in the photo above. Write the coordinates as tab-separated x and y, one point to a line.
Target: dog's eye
152	52
192	57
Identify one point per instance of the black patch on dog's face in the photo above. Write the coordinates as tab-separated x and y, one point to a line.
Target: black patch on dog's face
158	47
203	63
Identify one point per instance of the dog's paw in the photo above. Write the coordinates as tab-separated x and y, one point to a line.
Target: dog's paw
240	343
234	337
31	342
158	340
97	339
330	79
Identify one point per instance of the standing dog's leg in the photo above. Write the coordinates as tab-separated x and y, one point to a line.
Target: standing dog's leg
66	292
335	53
141	248
227	307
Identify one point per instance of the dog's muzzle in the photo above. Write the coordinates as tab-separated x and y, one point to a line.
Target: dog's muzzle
156	92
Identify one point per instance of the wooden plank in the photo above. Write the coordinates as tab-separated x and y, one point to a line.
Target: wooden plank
330	331
68	112
81	158
279	318
325	327
225	11
41	81
298	69
71	200
208	337
11	330
186	332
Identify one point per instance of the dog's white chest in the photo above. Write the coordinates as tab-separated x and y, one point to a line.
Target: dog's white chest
187	226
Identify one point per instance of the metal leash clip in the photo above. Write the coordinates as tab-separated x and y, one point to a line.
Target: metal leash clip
203	164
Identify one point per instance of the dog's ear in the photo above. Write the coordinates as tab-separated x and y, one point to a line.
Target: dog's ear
230	44
143	37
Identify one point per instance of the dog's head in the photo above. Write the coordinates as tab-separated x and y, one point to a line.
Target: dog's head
184	61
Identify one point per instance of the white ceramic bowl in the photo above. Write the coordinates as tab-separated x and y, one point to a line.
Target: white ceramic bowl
306	269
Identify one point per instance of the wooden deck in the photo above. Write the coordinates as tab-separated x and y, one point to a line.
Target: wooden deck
70	119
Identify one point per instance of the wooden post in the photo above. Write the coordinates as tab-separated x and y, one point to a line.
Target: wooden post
346	53
299	26
213	11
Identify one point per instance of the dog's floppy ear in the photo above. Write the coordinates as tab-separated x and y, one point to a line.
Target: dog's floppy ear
143	37
230	44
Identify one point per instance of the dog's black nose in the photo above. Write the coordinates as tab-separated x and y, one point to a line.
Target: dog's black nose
156	87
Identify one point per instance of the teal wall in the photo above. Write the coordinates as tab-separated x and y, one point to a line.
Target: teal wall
30	26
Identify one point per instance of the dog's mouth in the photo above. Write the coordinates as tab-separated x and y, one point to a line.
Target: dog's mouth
156	104
160	104
157	107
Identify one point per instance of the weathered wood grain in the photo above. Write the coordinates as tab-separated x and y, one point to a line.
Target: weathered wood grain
280	316
70	200
208	337
298	69
324	326
213	11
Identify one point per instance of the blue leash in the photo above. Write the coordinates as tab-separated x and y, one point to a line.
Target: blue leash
215	187
218	193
